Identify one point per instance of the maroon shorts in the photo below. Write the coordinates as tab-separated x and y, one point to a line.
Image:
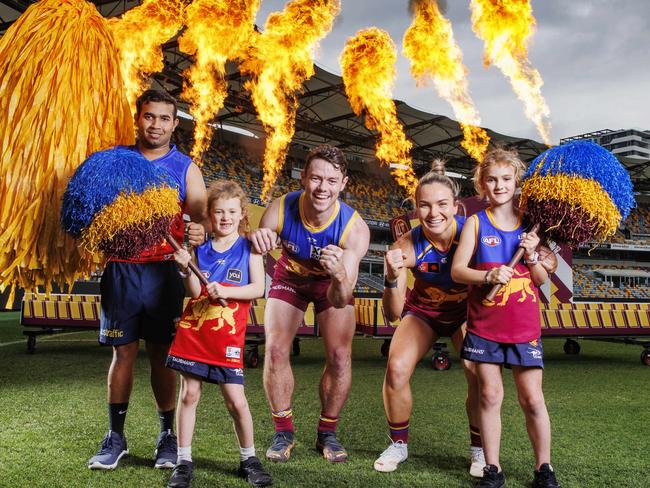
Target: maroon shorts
300	293
445	324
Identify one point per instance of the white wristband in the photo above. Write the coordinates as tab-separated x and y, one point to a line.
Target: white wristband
535	259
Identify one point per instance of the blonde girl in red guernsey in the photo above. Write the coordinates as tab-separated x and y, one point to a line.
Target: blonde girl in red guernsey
209	342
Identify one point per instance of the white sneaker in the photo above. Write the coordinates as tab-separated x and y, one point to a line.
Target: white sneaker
396	453
477	458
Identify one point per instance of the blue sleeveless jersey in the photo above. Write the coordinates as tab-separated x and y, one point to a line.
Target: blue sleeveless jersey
176	163
434	290
302	243
229	267
514	315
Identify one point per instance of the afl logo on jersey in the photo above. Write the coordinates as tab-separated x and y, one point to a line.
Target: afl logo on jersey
234	275
491	241
292	247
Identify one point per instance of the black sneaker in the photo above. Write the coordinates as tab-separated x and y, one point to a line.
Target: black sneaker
330	447
492	478
252	471
281	447
545	477
182	475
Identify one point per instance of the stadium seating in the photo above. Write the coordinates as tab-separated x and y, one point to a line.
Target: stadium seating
588	285
380	201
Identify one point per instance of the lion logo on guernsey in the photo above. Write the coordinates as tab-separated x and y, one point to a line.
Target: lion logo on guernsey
519	283
201	310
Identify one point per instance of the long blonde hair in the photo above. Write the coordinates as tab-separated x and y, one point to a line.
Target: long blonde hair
498	156
230	189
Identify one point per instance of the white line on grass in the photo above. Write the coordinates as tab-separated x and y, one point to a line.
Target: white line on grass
59	334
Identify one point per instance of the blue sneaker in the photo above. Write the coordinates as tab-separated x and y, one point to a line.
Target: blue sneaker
166	450
113	449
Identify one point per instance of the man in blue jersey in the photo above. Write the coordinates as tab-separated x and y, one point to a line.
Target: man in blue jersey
142	297
323	241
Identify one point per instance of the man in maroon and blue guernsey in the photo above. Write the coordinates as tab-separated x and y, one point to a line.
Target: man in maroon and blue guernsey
142	297
323	241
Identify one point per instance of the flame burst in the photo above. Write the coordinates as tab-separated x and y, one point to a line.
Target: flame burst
139	35
430	46
279	62
505	27
217	30
368	63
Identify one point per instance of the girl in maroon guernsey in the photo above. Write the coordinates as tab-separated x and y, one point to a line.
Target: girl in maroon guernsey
506	331
209	342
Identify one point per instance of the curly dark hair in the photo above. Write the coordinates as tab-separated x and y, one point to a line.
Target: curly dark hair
331	154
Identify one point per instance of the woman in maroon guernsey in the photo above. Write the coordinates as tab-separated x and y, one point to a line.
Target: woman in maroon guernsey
435	307
506	331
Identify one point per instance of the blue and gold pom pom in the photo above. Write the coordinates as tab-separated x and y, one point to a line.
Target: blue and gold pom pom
119	202
577	192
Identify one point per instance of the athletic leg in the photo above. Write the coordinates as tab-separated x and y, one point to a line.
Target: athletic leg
281	321
531	398
237	406
477	456
490	384
412	339
163	384
250	467
337	326
119	386
163	379
188	400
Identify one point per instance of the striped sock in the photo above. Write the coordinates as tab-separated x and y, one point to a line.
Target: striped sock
475	436
283	420
327	424
399	431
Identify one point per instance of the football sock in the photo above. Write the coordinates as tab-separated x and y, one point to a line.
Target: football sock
399	431
283	420
475	436
166	420
117	416
327	423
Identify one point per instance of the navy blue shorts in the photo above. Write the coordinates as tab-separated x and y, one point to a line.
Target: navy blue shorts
207	372
528	354
140	301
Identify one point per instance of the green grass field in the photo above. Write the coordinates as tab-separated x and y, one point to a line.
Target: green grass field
53	415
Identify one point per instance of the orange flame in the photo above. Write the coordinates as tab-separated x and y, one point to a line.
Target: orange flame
434	54
368	63
217	30
139	35
506	27
279	62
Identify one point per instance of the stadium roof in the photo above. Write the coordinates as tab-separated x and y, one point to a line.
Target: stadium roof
324	114
622	273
